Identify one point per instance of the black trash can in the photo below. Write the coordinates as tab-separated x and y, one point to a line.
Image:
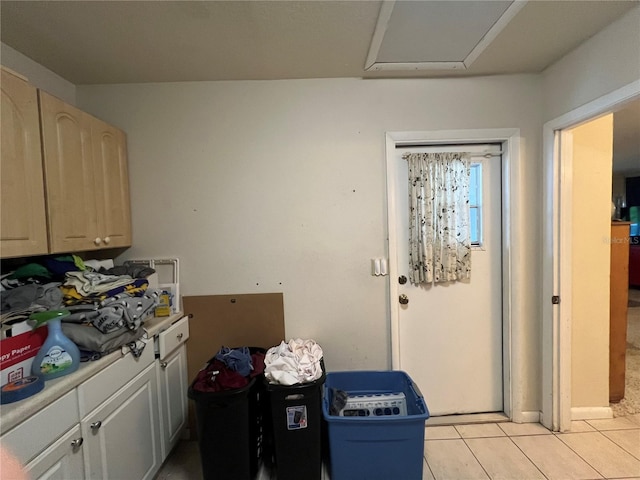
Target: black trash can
229	425
295	427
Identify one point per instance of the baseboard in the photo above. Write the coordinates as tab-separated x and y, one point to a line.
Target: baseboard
528	417
591	413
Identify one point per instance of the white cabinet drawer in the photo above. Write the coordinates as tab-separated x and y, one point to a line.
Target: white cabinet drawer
173	337
35	434
63	459
104	384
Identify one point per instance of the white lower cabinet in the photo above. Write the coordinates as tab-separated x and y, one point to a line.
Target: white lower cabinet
119	424
63	460
172	373
121	436
173	383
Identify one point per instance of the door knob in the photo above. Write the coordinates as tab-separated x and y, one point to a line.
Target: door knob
403	299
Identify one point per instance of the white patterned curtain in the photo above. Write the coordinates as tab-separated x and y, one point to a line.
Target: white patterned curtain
439	234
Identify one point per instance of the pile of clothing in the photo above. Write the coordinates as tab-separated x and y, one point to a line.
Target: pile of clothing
108	306
298	361
229	369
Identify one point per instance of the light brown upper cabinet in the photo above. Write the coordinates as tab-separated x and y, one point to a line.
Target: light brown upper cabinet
86	178
22	207
112	184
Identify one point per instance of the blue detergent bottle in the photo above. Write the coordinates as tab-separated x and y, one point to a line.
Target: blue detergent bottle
58	355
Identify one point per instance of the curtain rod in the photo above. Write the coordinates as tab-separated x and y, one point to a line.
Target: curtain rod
479	154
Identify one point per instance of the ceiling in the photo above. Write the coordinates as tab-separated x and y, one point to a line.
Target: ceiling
96	42
101	42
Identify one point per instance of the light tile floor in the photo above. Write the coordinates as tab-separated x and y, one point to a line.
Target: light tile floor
594	449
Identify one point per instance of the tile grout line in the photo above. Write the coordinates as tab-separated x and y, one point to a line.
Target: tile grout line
525	454
477	459
622	447
426	462
581	457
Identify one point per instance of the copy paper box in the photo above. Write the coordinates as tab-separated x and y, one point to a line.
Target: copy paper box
16	354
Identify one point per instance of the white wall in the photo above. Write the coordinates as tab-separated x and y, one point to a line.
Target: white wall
38	75
270	186
607	61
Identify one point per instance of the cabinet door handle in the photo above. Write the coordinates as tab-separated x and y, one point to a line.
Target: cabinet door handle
107	240
180	335
77	442
96	425
163	365
97	241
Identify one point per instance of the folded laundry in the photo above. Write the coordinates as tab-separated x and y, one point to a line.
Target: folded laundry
125	310
31	271
88	283
19	298
16	316
135	271
47	269
136	288
89	338
25	296
50	295
82	313
297	361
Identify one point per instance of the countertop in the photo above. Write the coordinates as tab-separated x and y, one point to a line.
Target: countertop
13	413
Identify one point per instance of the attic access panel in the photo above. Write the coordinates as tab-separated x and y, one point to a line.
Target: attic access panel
424	35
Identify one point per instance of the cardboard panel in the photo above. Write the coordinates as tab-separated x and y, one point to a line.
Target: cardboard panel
252	320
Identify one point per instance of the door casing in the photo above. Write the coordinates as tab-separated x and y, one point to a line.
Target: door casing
557	261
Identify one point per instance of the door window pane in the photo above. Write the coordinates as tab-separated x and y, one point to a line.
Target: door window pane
475	204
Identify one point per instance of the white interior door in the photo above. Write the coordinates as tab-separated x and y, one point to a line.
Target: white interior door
450	335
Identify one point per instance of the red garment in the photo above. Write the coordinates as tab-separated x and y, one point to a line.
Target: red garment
225	379
257	360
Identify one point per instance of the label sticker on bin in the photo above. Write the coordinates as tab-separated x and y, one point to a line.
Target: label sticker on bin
296	417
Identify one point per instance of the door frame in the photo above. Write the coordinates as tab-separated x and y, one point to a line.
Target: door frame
512	340
557	260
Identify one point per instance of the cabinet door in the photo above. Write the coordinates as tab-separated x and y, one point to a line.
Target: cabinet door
22	216
69	176
63	460
618	304
121	436
112	184
173	397
39	431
